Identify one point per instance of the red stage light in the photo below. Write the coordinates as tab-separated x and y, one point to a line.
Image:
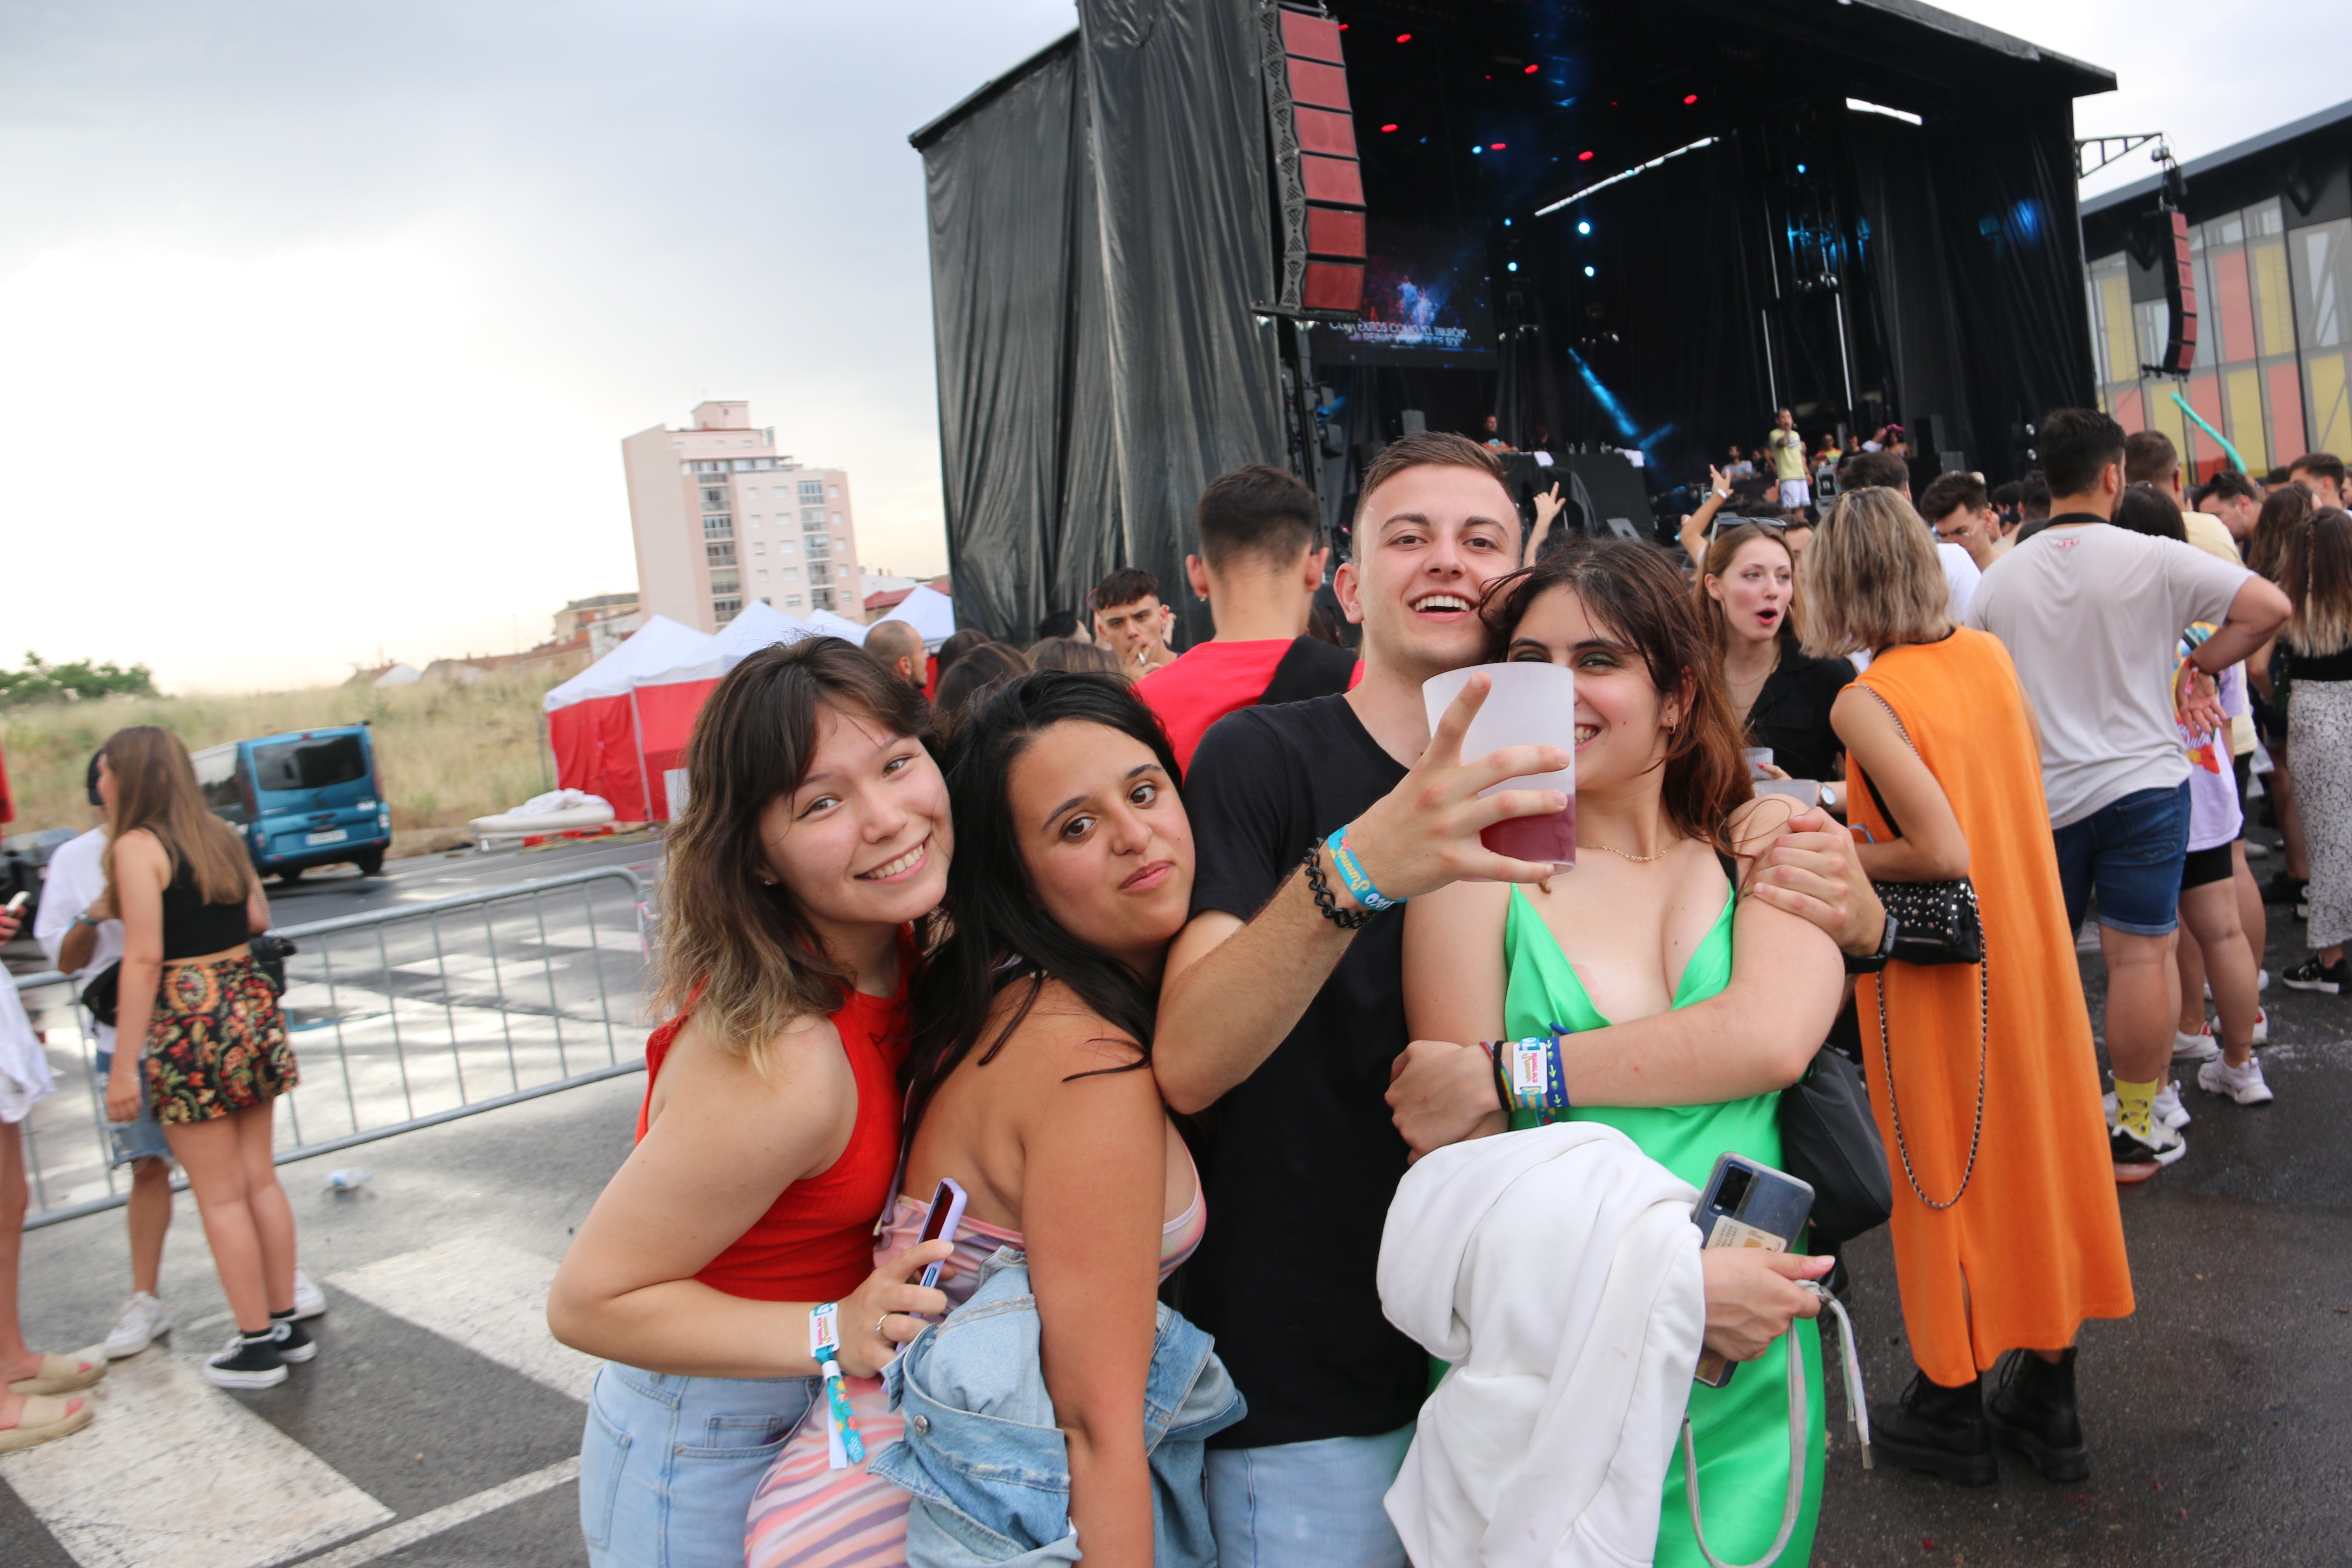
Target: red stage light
1690	97
1343	26
1388	127
1532	69
1404	37
1585	157
1493	146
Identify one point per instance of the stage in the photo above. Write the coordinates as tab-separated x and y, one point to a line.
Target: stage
1206	232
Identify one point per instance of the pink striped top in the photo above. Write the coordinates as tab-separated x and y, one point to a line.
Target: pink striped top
807	1515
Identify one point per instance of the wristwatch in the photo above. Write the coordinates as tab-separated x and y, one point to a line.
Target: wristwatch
1876	961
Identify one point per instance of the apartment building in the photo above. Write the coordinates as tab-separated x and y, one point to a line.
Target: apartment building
721	518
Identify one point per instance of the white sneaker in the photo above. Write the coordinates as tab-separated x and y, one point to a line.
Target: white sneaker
2243	1084
2262	980
2200	1047
143	1321
2262	1036
309	1301
2256	851
2166	1108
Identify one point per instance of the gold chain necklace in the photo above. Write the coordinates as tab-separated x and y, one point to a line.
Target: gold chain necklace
1637	859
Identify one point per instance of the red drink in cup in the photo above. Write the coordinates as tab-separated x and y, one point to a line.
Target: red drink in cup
1528	705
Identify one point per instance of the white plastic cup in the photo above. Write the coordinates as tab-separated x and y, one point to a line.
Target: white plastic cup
1529	704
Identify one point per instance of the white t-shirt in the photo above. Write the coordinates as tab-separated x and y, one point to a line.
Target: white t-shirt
77	875
1960	580
2092	615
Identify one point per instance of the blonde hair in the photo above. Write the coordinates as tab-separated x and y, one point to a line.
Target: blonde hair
155	789
2317	564
1872	579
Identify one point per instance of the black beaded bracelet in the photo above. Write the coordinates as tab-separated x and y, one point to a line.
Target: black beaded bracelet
1502	1083
1346	920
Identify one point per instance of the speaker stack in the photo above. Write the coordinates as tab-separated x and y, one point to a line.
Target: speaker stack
2179	277
1328	167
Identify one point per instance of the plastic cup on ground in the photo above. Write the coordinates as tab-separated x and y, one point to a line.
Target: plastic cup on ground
1529	704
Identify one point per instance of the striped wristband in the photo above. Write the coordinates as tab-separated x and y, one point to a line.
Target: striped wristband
1532	1070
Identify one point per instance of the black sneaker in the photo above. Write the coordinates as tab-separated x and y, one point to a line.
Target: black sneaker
2313	975
249	1361
2285	890
294	1341
2137	1158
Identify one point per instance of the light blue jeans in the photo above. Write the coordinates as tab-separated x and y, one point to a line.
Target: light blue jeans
1308	1503
668	1464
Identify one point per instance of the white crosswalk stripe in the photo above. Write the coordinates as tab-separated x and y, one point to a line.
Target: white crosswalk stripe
169	1471
489	1298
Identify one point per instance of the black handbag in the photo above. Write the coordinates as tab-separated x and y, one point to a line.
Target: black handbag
98	993
1829	1141
1951	929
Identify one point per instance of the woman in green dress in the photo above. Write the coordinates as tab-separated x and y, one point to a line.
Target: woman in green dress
1687	1007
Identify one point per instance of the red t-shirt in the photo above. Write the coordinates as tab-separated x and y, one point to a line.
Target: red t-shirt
1211	681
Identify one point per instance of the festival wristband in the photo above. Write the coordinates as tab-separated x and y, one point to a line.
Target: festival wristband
843	1447
1351	872
1532	1066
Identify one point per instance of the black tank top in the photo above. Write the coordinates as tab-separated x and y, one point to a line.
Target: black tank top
192	926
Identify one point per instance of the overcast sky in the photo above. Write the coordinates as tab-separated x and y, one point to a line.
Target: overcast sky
321	322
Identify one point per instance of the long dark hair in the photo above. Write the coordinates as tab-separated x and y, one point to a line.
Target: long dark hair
1000	934
2285	510
740	951
1631	589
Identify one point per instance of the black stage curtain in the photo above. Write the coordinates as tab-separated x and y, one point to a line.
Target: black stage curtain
1179	144
1013	268
2013	256
1903	252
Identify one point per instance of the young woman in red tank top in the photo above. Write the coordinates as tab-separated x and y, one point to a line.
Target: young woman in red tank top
814	840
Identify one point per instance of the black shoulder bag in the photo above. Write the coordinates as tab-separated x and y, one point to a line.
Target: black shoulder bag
1829	1142
1940	923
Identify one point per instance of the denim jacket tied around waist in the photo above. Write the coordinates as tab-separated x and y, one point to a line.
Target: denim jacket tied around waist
987	1468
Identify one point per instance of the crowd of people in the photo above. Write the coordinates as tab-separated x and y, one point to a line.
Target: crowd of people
1111	1095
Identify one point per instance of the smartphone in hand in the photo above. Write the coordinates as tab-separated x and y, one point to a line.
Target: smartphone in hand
947	1213
1746	1204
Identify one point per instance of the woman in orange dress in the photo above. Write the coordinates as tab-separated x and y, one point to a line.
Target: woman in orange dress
1984	1079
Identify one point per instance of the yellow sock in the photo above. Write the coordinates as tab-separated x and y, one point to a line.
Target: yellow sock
2135	1108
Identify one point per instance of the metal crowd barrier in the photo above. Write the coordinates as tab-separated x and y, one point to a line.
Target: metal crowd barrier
400	1018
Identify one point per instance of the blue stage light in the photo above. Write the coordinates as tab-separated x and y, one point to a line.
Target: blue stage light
1506	223
1477	147
1583	227
1510	267
1606	399
1801	168
1587	272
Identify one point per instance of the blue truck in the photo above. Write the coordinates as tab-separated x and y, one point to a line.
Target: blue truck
308	797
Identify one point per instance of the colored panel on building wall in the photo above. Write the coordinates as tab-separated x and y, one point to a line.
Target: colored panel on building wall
2205	454
2242	393
2130	409
2273	303
2163	413
2331	403
2287	410
2233	309
2123	338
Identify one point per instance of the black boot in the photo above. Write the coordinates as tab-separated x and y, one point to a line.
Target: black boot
1940	1430
2032	1410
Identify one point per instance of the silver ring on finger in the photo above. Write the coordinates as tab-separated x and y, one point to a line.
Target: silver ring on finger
879	1321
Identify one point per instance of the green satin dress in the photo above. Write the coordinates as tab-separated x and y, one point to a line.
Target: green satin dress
1741	1430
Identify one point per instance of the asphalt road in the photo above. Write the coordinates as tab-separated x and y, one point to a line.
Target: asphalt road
437	1424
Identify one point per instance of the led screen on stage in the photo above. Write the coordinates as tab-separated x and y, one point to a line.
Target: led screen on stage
1425	301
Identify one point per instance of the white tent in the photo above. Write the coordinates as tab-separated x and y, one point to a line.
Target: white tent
930	612
836	625
757	627
659	645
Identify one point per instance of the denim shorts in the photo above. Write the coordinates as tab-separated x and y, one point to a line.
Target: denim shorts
1315	1502
669	1464
2131	850
142	1138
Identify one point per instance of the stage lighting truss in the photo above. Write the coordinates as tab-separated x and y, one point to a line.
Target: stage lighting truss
1616	179
2093	153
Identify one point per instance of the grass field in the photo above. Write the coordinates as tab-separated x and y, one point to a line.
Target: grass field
447	754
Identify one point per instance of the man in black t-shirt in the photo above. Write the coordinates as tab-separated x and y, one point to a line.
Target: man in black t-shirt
1283	1023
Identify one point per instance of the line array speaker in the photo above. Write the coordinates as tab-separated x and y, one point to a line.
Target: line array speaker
1329	175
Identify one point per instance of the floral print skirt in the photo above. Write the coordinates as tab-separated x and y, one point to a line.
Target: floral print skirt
217	1043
